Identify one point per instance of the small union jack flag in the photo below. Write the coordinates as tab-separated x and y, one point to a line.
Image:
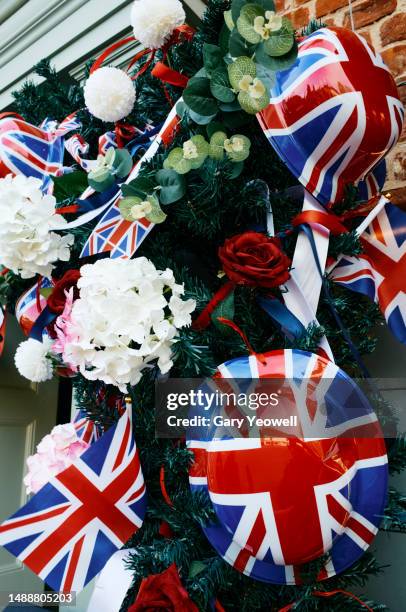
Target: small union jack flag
68	531
280	504
380	271
333	113
113	234
32	151
86	429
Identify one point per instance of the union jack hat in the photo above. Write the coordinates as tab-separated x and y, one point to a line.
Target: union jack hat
334	114
282	501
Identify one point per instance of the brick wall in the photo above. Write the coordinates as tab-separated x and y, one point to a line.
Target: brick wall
383	23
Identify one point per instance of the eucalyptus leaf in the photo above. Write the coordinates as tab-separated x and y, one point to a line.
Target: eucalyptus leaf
139	187
177	162
245	23
230	108
241	67
200	119
181	109
238	46
70	184
228	18
217	145
220	86
122	163
266	76
241	149
126	205
198	97
173	186
100	180
276	64
253	105
156	215
224	39
280	42
236	6
212	57
202	148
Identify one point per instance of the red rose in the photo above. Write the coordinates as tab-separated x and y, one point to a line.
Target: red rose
254	259
163	592
56	300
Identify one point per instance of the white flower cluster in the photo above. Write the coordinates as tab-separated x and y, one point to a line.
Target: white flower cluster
127	315
28	246
109	94
32	360
154	21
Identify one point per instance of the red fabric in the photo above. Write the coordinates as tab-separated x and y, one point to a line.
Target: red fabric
255	260
56	300
329	594
163	487
203	320
167	75
110	49
331	222
163	592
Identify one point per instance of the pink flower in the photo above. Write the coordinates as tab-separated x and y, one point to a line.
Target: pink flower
56	452
63	328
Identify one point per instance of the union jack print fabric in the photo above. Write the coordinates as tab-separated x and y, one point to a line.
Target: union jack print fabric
86	429
380	272
277	503
68	531
115	235
333	113
30	305
32	151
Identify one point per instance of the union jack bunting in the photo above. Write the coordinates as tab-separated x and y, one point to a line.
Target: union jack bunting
68	531
115	235
333	113
32	151
266	496
373	182
380	271
30	305
76	146
86	429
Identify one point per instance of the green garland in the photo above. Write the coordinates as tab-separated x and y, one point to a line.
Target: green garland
216	197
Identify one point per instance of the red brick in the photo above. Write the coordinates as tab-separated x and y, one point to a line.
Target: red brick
369	11
331	21
393	29
398	197
300	2
395	59
367	35
399	166
323	7
300	17
279	6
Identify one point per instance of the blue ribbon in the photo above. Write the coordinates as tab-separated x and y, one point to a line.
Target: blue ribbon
287	322
44	319
97	199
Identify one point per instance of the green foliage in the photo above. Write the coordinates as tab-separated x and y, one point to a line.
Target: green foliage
205	208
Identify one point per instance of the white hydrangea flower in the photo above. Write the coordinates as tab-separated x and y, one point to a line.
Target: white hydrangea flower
32	360
109	94
28	246
127	316
154	21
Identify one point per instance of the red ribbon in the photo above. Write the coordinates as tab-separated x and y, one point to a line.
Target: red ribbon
163	487
329	594
243	336
162	72
331	222
10	114
203	320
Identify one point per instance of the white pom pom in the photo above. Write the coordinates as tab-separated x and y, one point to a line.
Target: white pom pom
109	94
31	360
155	20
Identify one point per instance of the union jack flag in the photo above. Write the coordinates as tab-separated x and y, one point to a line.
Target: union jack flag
380	272
68	531
267	496
115	235
86	429
334	134
32	151
76	146
2	329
